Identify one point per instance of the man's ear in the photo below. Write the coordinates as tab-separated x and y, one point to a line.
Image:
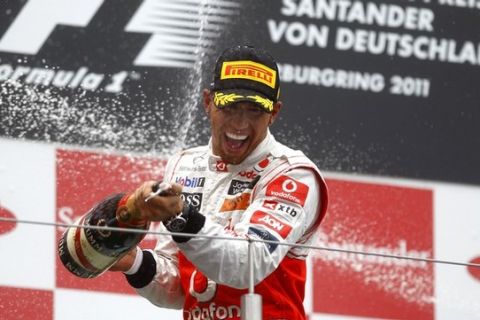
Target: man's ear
275	112
207	99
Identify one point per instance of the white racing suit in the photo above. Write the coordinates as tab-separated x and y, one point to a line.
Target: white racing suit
275	194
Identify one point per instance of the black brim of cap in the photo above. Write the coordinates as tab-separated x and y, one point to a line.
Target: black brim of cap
223	98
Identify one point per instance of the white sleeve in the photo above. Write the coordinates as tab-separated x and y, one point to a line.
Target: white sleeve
282	211
165	289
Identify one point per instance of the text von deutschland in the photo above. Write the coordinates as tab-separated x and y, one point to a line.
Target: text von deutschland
364	40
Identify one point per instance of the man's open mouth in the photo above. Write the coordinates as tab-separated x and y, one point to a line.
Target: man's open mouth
235	141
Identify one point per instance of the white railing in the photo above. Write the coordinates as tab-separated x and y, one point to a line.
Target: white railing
251	303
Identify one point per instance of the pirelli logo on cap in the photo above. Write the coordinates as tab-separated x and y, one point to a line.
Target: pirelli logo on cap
250	70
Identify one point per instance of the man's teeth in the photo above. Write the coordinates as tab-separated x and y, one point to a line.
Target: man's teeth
236	136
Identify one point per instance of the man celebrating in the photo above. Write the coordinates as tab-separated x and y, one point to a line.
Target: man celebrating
242	185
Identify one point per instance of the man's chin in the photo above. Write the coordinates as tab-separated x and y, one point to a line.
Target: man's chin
235	157
235	153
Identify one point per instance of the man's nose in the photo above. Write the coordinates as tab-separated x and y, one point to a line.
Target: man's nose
240	118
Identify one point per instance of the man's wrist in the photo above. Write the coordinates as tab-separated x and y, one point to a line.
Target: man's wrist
137	262
178	222
189	221
145	272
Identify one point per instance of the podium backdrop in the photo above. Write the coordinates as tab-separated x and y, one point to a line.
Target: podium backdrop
382	95
377	87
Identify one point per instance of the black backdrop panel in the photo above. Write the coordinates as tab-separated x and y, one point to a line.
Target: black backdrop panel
374	87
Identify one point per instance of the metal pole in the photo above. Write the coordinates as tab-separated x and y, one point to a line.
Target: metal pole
251	268
251	303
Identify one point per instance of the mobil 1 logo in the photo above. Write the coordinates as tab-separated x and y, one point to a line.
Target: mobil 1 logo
189	182
192	199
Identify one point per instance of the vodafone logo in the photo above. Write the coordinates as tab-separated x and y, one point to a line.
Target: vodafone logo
475	271
248	174
289	185
6	227
289	189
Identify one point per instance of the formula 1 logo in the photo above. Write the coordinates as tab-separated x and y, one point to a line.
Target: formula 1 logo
6	227
38	18
178	29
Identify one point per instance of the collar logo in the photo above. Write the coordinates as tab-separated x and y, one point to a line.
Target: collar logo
250	70
221	166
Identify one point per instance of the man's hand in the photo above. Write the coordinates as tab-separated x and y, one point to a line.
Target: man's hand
158	208
125	262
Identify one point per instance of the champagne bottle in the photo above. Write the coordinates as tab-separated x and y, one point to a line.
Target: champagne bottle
87	252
